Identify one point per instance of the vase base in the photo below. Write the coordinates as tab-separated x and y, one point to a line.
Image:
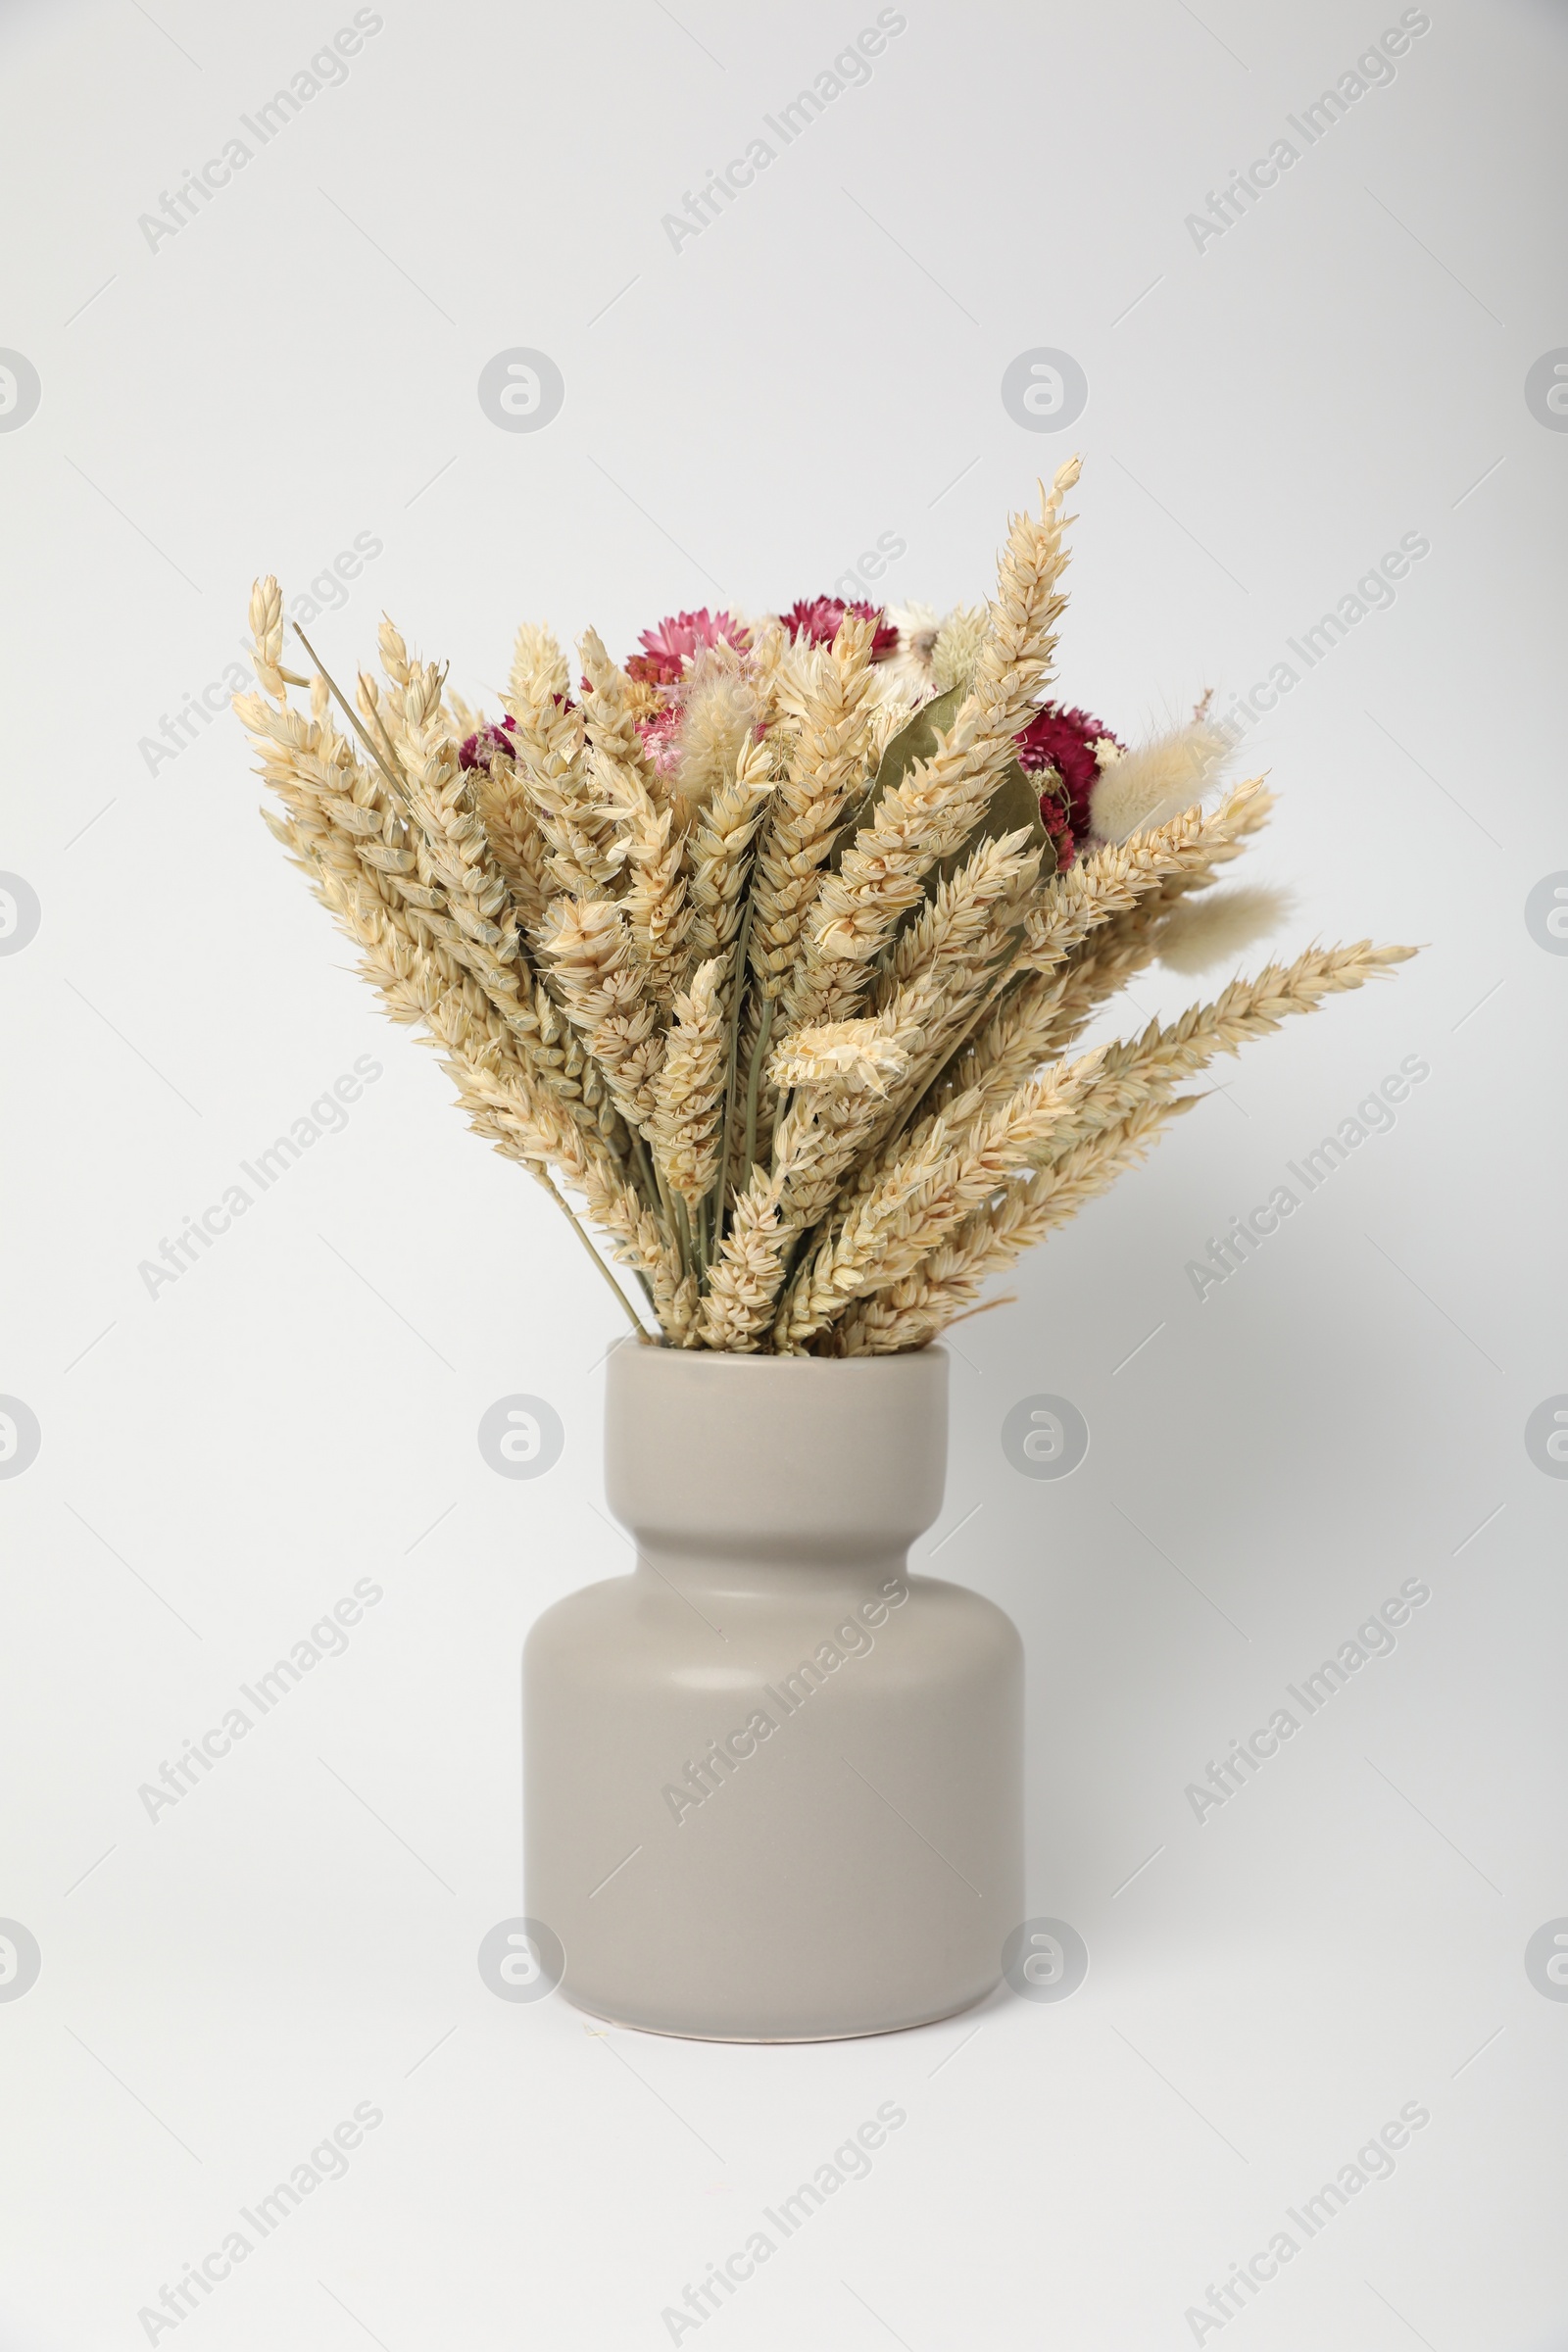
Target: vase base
908	2024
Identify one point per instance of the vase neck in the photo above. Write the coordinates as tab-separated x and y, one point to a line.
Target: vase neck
737	1463
862	1583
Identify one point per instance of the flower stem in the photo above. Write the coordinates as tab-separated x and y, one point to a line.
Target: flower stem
753	1079
566	1211
399	789
716	1217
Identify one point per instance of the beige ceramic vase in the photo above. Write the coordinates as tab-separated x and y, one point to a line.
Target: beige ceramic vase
774	1781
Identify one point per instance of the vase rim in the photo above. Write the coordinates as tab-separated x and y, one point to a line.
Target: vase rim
737	1355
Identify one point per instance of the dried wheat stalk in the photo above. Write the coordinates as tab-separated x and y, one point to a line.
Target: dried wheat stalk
788	1025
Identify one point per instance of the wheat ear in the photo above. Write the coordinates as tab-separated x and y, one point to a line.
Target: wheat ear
947	963
539	668
511	829
1115	877
931	811
1109	929
684	1131
451	852
604	985
340	814
916	1309
832	717
584	857
863	1057
1130	1096
922	1197
654	899
418	982
946	966
1150	1067
719	844
743	1281
830	714
267	636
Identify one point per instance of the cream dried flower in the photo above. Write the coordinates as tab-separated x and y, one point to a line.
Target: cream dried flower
1155	781
1211	927
956	650
907	673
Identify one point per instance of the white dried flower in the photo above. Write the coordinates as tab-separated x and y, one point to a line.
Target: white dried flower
905	674
1210	927
1155	781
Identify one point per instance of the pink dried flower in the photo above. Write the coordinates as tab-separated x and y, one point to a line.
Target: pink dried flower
1059	832
660	738
1058	746
816	619
676	639
480	748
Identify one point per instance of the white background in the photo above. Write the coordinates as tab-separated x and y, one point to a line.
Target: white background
221	1462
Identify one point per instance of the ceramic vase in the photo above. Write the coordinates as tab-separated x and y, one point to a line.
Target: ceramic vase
773	1781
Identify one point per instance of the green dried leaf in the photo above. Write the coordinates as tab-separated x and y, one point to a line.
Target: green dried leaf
916	740
1013	808
1015	803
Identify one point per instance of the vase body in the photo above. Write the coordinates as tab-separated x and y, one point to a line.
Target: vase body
773	1782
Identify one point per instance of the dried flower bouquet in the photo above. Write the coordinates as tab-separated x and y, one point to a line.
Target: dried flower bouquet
770	946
